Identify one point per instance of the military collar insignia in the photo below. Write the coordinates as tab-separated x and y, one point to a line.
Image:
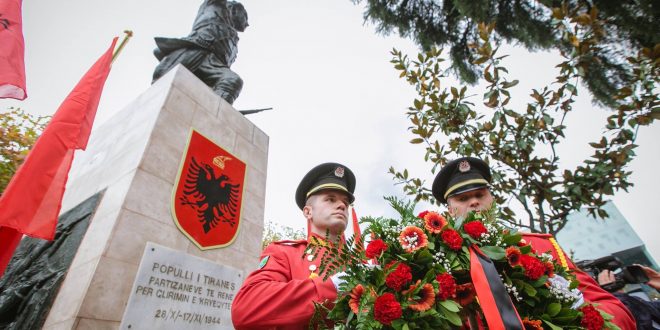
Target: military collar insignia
263	262
464	166
314	240
339	172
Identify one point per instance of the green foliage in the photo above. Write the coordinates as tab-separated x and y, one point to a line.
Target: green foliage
336	257
623	29
516	142
275	232
18	133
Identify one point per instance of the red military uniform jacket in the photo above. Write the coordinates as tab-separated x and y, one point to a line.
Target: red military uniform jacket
590	289
280	293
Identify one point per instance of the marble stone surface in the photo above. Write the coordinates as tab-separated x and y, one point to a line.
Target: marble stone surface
135	157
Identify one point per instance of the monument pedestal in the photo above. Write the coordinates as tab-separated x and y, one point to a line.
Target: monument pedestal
135	156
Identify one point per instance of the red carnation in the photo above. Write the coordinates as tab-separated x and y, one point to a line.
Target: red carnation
376	248
422	214
534	268
452	239
446	286
400	276
475	229
591	318
387	309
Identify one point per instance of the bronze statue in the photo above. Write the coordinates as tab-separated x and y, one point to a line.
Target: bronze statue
210	49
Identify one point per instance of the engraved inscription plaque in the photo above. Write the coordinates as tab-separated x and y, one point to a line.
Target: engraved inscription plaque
174	290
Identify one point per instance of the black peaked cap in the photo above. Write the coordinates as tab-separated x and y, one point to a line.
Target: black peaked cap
459	176
327	176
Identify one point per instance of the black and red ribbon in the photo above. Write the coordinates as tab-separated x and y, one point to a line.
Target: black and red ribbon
494	300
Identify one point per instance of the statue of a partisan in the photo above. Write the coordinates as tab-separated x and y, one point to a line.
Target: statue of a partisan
210	49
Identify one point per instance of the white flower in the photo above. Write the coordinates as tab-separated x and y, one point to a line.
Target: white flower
560	288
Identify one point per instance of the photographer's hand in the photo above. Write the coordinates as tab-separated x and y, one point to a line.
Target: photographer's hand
654	277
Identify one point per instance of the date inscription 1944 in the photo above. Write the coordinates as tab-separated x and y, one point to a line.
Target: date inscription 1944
172	289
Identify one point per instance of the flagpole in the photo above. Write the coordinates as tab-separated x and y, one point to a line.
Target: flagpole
128	35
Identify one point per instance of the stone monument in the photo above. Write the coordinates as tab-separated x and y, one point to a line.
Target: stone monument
136	267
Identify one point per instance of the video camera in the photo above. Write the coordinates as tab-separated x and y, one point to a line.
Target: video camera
623	275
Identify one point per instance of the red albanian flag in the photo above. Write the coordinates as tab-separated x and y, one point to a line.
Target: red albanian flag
12	51
31	203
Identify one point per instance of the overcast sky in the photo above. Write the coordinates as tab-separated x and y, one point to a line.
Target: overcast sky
326	74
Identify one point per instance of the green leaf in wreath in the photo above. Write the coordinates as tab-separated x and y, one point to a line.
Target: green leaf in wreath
454	319
569	312
398	324
512	239
424	257
540	283
526	249
450	305
529	290
552	326
494	252
553	309
350	317
430	276
379	278
564	319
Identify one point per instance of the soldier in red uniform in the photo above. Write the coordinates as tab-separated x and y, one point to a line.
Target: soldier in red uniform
463	185
281	293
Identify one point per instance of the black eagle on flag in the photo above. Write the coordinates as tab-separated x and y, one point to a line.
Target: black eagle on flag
214	198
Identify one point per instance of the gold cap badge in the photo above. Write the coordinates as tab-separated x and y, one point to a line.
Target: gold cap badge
464	166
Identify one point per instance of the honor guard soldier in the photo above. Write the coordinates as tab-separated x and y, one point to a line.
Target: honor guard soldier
462	184
281	293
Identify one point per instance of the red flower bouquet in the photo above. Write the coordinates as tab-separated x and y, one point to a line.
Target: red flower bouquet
416	273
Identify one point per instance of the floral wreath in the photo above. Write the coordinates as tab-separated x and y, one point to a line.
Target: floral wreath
418	272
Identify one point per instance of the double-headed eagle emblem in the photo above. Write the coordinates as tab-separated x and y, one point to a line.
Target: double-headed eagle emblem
213	197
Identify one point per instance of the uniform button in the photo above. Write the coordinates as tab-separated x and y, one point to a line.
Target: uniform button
309	252
310	258
312	267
